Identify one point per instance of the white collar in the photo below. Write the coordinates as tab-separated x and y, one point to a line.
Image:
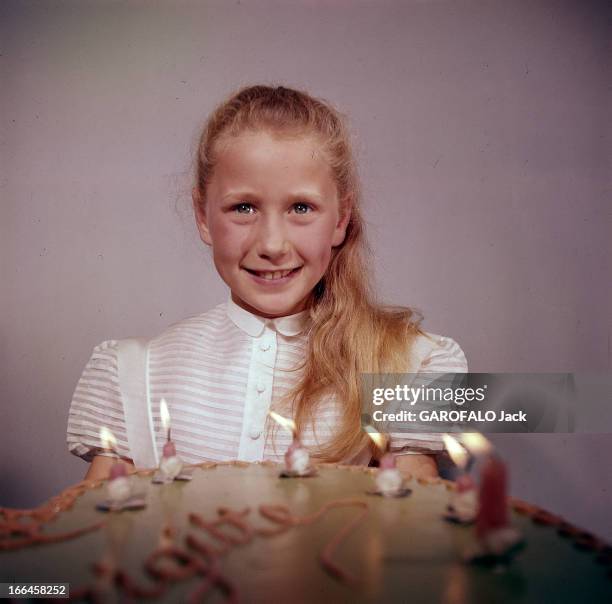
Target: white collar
254	325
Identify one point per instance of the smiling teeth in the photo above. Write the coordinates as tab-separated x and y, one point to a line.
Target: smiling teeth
273	275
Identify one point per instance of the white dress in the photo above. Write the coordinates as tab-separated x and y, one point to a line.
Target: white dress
220	373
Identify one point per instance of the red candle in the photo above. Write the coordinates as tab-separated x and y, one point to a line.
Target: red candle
493	504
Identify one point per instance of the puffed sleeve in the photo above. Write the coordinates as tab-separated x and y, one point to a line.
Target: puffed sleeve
446	356
97	402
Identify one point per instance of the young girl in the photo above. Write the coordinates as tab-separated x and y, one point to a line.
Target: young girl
276	196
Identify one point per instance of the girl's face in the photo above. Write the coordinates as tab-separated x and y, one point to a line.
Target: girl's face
272	217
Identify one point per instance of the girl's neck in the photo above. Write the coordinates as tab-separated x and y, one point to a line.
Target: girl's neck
254	311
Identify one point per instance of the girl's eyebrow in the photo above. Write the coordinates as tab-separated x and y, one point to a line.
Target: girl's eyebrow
237	194
297	196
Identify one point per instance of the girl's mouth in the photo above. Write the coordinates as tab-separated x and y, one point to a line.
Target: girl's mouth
273	277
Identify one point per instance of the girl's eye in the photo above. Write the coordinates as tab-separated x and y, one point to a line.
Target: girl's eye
302	208
243	208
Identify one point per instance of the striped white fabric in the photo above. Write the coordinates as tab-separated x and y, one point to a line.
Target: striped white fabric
220	373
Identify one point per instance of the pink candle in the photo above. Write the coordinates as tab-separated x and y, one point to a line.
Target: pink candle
493	504
118	488
387	462
465	483
170	465
118	470
169	449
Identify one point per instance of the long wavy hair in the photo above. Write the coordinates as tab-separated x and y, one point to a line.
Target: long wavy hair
349	332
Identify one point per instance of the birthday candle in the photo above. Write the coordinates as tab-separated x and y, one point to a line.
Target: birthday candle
493	503
170	464
463	504
495	534
118	487
297	460
389	480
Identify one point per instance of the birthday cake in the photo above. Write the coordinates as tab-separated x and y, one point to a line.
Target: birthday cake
240	532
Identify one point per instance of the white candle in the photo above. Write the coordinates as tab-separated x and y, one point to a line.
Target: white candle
296	458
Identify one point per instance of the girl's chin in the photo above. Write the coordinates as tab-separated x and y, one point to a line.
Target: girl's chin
269	309
274	312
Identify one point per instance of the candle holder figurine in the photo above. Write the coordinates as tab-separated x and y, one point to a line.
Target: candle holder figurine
297	460
171	466
389	480
463	503
120	494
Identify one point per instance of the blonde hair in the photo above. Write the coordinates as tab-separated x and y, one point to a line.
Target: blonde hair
349	333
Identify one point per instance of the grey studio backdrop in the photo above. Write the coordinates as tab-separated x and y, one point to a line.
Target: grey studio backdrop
482	129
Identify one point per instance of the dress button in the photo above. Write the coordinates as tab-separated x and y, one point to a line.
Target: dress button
261	387
255	433
264	346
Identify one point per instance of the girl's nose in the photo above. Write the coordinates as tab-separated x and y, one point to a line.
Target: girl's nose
272	241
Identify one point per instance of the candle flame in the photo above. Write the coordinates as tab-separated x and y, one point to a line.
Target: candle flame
380	440
108	439
285	422
456	450
476	443
165	414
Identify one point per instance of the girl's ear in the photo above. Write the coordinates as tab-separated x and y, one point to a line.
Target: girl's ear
346	207
200	217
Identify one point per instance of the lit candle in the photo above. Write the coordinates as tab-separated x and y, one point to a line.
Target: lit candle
493	510
463	504
389	480
297	460
476	444
118	487
493	529
170	465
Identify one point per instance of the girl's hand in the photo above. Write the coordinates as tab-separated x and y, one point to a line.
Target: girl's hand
99	468
419	466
